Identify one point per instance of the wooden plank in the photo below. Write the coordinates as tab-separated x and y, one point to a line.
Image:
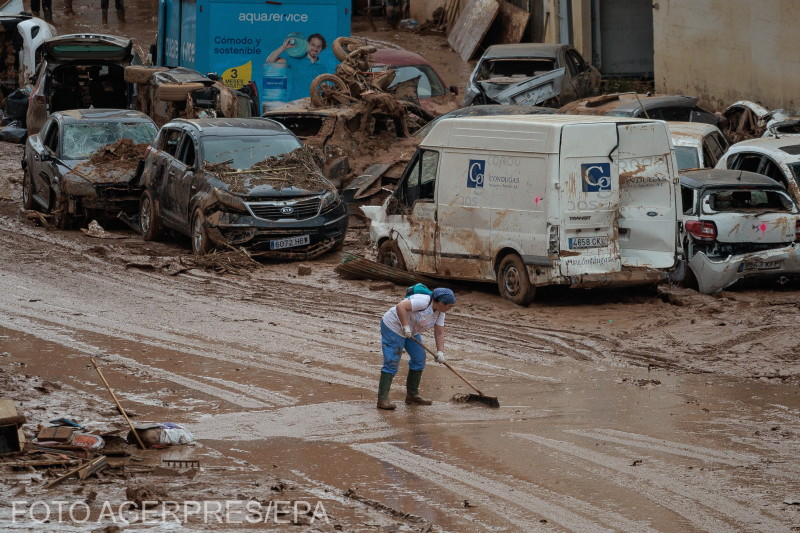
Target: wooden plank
471	27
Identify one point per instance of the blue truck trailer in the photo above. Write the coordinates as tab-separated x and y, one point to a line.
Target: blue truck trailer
280	45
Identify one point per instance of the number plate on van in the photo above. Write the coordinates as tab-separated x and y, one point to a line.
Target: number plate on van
587	242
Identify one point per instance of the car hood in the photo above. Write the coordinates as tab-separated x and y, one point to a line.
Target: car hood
103	174
260	184
80	47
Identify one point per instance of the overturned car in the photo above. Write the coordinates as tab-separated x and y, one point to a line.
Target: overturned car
736	225
239	183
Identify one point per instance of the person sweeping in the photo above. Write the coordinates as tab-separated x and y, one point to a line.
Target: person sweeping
400	325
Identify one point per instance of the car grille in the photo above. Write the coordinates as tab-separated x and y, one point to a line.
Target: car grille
285	210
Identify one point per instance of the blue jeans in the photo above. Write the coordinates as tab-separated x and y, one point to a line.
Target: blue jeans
392	346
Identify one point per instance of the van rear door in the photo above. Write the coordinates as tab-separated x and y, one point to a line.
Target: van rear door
648	188
589	200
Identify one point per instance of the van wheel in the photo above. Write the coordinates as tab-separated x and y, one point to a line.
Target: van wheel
513	281
343	46
28	202
389	254
151	227
200	243
176	92
140	73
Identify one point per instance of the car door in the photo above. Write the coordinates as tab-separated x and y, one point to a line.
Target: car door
181	178
160	184
714	145
46	174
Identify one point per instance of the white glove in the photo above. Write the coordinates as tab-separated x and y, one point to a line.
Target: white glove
407	332
440	357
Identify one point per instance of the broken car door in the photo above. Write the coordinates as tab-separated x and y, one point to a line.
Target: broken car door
46	172
412	213
180	175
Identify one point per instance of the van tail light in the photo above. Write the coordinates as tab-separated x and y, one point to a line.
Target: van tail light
702	230
797	231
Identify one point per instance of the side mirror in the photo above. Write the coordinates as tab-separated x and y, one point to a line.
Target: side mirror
454	89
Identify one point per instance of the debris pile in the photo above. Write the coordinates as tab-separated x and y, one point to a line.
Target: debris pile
299	168
123	154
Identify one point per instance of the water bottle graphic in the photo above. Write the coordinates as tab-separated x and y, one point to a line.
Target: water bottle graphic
274	83
300	45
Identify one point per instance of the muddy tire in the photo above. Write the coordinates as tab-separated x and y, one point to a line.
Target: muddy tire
176	92
28	202
389	254
329	90
140	74
151	227
61	217
342	47
513	281
200	241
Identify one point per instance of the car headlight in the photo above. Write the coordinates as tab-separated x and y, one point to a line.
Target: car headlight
329	200
230	202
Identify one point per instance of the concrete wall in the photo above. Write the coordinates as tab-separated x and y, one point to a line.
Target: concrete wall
422	10
728	50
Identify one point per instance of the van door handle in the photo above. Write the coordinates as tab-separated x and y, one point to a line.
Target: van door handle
652	214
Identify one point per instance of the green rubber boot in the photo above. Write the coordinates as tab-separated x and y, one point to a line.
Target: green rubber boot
383	392
412	389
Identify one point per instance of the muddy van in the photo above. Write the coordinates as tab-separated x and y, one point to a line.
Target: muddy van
529	201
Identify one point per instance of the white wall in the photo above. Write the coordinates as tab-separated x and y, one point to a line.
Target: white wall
728	50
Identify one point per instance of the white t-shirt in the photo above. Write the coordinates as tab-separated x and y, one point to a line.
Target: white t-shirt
422	315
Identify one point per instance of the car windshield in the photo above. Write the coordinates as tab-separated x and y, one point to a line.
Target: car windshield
82	139
687	157
749	200
514	68
243	152
429	84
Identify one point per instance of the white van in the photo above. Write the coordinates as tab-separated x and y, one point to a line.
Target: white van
533	200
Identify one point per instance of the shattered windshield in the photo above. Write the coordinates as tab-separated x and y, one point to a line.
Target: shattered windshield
749	200
429	85
82	139
687	157
498	70
243	152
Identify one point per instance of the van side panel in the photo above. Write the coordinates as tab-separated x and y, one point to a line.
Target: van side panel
589	200
648	196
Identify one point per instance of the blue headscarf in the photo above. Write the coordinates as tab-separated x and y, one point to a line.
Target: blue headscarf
443	295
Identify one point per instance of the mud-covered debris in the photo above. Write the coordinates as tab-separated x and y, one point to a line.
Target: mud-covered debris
460	398
299	168
303	270
149	494
123	154
236	262
351	493
97	231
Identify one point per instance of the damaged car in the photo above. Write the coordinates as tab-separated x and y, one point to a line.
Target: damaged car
80	71
531	74
239	183
697	145
748	120
777	158
83	163
736	225
20	38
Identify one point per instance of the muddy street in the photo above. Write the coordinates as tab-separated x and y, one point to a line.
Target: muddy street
620	411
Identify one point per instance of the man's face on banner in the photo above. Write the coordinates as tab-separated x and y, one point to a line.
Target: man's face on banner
314	48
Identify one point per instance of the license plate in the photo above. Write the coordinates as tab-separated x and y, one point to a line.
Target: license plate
587	242
763	265
289	242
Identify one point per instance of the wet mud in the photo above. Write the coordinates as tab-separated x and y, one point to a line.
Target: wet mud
634	410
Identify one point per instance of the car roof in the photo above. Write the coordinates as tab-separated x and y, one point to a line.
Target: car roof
232	126
499	51
710	177
101	115
398	58
627	103
788	146
689	133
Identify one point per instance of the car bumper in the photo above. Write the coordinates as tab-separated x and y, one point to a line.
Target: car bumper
713	275
325	232
109	197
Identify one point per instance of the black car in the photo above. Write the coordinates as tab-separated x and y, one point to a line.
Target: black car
230	183
59	176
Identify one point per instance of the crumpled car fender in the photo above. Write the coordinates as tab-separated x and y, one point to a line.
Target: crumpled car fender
715	275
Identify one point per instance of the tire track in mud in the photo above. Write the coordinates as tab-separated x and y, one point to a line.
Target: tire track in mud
515	501
702	506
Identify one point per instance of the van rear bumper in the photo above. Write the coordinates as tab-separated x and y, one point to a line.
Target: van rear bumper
626	277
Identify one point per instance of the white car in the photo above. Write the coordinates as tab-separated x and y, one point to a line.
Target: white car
736	225
697	145
24	34
778	158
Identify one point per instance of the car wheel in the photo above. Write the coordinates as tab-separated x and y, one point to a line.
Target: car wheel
176	92
61	217
343	46
329	90
28	202
151	227
389	254
513	281
200	243
140	73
